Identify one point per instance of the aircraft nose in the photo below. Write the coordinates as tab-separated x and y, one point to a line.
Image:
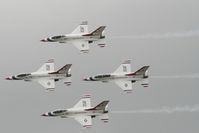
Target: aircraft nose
44	114
85	79
8	78
43	40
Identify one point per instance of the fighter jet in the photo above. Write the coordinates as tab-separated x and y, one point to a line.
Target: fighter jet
82	112
46	75
123	76
80	37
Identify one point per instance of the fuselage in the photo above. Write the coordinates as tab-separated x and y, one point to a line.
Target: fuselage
116	76
73	37
38	75
72	112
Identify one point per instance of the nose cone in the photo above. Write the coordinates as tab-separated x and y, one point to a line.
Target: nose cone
44	114
44	40
85	79
8	78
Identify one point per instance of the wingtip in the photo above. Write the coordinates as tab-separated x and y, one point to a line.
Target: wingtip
84	23
127	91
87	126
50	61
127	61
86	96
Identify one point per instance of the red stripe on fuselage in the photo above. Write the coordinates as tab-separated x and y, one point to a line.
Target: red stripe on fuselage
130	74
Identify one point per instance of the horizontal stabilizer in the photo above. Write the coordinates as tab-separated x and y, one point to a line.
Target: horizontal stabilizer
145	83
67	81
101	45
104	117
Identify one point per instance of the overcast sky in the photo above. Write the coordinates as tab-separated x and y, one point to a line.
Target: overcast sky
160	33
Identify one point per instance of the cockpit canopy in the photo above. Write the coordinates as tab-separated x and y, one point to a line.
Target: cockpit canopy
23	75
57	37
59	111
102	76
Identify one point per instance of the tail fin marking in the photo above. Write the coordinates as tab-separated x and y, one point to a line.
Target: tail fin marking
64	70
82	28
101	106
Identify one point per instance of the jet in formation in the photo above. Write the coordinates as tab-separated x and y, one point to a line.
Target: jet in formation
80	37
46	75
83	112
124	77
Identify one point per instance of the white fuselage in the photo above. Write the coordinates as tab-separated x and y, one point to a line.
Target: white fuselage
39	75
73	37
36	75
73	112
81	37
116	76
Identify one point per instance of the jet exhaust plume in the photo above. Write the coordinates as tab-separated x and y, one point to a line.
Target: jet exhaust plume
188	76
164	110
168	35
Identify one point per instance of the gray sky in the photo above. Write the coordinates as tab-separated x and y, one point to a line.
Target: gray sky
162	34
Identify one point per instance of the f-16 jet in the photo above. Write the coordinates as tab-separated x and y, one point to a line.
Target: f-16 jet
46	75
80	37
83	112
124	77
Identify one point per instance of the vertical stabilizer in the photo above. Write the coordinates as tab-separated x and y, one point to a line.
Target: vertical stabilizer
125	67
47	66
82	28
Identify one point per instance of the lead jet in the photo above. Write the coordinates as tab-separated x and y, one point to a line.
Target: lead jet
46	75
80	37
82	112
124	77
